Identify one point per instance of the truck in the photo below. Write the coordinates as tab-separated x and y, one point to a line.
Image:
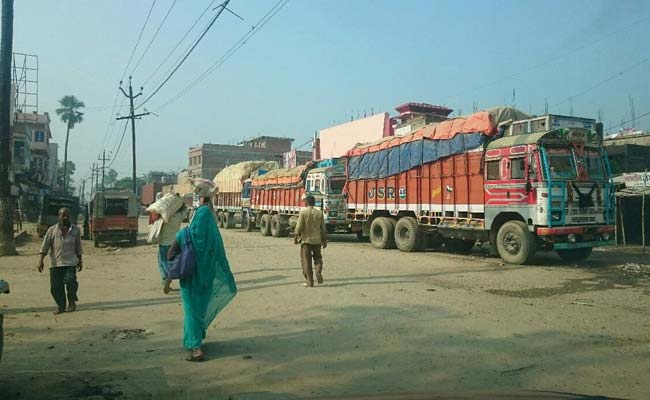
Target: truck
232	198
50	205
276	197
113	217
541	183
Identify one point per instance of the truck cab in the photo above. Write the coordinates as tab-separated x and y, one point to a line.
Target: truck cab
114	217
554	183
326	184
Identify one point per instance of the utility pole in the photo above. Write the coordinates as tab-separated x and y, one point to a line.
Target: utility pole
92	180
83	191
132	116
103	160
7	242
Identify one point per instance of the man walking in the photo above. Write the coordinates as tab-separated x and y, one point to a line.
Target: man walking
311	231
63	242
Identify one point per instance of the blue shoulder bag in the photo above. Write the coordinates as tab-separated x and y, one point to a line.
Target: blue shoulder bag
183	265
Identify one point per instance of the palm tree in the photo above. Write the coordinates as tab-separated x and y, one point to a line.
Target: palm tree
70	114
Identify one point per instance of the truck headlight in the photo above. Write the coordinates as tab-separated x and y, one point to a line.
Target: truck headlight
571	238
606	236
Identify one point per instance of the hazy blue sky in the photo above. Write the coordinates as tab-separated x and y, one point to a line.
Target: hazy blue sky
316	62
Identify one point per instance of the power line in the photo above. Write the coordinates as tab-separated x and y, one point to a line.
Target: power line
126	124
222	7
608	79
154	37
138	41
111	119
179	43
627	122
238	45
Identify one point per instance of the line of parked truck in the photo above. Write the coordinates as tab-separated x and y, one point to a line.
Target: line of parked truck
520	185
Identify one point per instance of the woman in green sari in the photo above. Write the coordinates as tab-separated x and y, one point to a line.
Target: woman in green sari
211	287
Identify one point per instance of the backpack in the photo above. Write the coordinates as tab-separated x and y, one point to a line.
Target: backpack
184	264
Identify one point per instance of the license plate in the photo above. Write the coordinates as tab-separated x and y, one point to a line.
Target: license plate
116	228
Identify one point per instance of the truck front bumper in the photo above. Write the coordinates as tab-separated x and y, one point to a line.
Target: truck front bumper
575	237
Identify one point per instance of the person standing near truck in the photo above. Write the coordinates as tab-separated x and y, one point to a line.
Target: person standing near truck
63	243
312	234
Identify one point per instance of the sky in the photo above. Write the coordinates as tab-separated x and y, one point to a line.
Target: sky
319	63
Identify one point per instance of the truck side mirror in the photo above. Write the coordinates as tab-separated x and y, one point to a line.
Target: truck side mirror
529	186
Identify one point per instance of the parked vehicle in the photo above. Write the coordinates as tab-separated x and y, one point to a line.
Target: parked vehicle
544	185
114	217
50	205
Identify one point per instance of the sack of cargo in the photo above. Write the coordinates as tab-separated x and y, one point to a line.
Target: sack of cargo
231	178
154	231
167	206
203	187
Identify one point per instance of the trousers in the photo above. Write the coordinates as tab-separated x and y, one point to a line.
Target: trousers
62	278
307	252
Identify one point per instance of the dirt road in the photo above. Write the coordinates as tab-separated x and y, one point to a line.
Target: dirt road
385	322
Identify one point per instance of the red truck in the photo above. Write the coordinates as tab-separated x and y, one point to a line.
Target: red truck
540	183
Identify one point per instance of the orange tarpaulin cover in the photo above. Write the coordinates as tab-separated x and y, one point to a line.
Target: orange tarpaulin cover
480	122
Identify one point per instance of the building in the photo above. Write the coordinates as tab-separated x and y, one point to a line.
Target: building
413	116
31	147
166	178
206	160
335	141
294	158
628	154
54	163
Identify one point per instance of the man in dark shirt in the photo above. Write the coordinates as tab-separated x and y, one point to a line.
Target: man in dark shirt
63	242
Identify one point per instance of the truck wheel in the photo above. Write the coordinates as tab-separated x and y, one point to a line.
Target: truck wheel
248	224
265	225
408	236
228	220
459	246
220	219
277	229
96	239
382	233
574	255
515	243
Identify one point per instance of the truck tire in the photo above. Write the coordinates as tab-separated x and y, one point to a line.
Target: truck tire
515	243
459	246
96	240
228	220
408	236
277	228
382	233
574	255
220	219
265	225
248	223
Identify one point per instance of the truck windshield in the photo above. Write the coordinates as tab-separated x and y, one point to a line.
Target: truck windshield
116	207
336	185
593	163
561	163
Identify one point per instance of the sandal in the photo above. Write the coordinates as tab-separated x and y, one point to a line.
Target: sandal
195	356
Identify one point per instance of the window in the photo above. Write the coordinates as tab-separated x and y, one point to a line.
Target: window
561	164
19	153
493	170
310	185
336	185
317	185
518	168
593	163
39	136
116	207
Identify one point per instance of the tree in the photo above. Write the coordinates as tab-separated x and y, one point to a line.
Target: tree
7	243
111	178
69	114
64	174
